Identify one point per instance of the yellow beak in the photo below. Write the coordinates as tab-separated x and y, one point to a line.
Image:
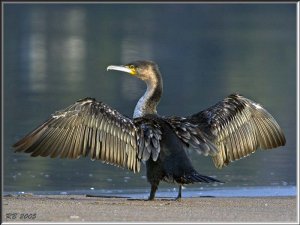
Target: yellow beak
122	68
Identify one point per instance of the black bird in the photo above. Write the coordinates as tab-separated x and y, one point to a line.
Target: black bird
227	131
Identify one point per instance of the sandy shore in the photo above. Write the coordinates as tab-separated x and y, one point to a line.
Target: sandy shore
78	208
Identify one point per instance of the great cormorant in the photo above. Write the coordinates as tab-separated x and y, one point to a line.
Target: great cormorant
227	131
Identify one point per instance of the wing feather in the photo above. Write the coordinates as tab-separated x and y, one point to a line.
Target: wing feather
237	126
85	128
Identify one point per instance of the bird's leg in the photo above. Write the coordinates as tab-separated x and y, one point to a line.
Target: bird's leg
179	192
153	190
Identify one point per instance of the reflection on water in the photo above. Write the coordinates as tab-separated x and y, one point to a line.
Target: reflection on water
277	191
56	54
73	47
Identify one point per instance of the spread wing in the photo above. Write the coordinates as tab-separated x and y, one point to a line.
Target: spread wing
90	128
237	126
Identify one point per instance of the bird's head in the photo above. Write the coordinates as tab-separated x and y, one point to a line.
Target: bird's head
145	70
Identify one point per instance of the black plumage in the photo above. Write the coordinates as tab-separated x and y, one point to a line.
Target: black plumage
227	131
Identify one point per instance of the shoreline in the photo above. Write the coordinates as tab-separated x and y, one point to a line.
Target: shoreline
80	208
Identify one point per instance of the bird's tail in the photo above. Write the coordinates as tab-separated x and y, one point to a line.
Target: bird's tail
196	177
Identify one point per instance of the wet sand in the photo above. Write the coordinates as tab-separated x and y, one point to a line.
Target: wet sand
79	208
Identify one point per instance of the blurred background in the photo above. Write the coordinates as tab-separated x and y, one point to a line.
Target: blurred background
55	54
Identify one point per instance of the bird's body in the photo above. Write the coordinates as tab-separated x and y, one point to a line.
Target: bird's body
172	164
227	131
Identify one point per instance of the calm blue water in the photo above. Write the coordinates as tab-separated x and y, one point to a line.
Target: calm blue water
269	191
55	54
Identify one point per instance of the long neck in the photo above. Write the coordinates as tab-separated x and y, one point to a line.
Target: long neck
149	101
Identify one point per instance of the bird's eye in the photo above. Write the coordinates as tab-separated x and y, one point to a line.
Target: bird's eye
132	67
